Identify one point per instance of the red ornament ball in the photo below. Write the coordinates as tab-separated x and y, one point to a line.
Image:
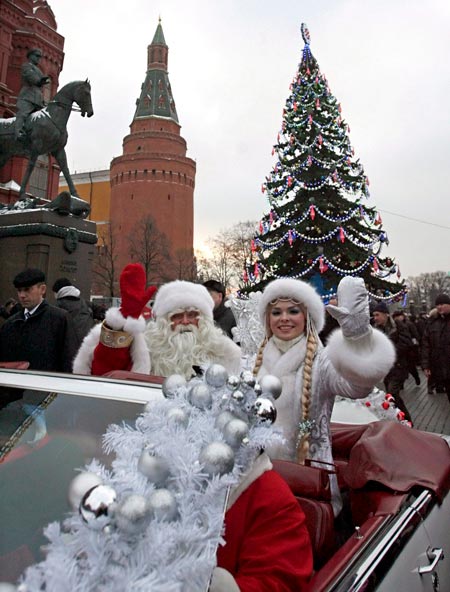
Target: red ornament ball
385	405
368	404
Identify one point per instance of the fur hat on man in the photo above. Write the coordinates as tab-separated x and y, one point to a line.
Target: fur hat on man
296	290
61	283
442	299
182	295
381	307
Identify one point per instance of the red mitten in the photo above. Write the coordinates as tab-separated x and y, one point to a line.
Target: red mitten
133	293
106	359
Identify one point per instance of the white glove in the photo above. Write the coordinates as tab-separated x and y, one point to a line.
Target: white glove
352	314
223	581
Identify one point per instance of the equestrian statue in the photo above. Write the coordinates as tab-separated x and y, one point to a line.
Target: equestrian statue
43	131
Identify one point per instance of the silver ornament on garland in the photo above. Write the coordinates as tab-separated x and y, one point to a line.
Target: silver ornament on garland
216	375
96	506
238	396
132	514
233	381
154	467
200	397
257	389
223	418
235	433
217	458
265	410
171	385
162	505
79	485
271	385
248	378
176	415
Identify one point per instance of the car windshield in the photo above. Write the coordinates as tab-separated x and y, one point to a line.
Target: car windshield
45	436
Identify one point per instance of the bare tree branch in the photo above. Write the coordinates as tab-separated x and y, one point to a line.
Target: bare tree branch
104	266
230	250
150	247
424	288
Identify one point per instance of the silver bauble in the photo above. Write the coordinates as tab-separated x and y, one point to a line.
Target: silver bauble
234	432
248	378
5	587
271	385
233	381
163	505
171	385
200	397
96	506
178	416
79	485
265	410
238	396
216	375
217	458
155	468
132	514
222	419
257	389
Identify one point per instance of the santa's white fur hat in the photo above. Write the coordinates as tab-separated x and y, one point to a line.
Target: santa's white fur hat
299	291
181	295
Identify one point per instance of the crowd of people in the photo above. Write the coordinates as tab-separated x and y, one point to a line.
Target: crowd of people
315	360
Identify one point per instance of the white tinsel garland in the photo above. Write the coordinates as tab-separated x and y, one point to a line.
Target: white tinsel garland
167	555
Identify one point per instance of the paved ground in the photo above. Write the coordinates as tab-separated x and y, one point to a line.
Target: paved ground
430	413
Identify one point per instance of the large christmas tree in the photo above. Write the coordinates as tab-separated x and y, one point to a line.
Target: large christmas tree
319	227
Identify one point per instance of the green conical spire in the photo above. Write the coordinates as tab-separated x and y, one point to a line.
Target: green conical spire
158	38
156	97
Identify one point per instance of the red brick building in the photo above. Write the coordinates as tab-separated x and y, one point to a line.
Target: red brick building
25	24
152	183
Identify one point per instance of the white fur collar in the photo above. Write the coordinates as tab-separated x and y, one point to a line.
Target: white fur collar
279	363
261	465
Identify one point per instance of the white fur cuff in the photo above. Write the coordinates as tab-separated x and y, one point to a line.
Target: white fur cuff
364	361
115	320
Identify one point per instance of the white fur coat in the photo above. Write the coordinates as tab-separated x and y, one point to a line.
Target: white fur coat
349	368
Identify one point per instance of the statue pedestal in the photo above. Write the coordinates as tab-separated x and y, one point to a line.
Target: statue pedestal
61	246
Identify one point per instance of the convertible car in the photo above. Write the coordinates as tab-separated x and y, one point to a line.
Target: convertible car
393	533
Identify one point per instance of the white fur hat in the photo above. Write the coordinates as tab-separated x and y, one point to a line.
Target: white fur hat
300	292
182	295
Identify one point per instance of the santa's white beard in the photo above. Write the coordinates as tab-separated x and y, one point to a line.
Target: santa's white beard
176	351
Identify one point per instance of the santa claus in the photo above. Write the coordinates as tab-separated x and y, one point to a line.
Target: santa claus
181	338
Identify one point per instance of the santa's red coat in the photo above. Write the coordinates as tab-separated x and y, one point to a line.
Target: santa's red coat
267	544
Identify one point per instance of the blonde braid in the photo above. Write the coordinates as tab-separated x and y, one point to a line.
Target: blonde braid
259	357
303	440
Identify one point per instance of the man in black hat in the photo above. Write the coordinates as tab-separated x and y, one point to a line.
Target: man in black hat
40	334
436	346
68	297
223	316
399	316
400	336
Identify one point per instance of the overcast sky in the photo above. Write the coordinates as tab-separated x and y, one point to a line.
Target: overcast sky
230	66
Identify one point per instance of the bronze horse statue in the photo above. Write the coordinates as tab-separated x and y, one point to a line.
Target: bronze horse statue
46	131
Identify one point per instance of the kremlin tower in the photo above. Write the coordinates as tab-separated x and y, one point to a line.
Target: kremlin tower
152	183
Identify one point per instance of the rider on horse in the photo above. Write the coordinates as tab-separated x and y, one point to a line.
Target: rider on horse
30	97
